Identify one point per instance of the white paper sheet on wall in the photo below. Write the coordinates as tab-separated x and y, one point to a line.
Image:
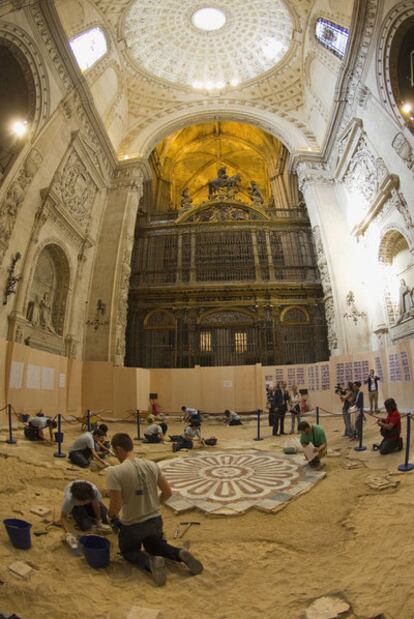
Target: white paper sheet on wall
48	378
62	380
227	383
33	376
16	375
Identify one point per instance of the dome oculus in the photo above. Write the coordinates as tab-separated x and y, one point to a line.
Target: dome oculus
208	19
204	46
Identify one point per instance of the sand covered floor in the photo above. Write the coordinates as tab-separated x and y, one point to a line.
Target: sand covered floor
342	536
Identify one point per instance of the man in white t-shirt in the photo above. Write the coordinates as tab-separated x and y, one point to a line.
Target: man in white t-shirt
33	431
83	449
133	488
154	433
191	414
83	501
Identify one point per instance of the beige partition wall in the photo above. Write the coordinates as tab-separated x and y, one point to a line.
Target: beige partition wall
31	380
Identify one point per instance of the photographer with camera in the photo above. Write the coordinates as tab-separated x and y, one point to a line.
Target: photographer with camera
347	398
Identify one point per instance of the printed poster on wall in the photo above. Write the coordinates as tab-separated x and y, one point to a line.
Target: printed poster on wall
62	380
48	379
16	375
33	376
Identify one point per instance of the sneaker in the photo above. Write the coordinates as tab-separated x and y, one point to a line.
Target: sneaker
157	569
194	565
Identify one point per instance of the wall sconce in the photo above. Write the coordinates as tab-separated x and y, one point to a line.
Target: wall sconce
353	313
100	311
12	279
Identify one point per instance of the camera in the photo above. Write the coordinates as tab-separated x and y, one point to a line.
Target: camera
339	390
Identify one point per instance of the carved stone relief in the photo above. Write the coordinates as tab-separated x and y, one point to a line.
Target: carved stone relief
327	288
14	198
364	173
403	149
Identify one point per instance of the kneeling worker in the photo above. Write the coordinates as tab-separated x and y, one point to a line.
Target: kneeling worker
33	431
155	432
232	418
83	501
83	449
133	487
313	441
390	429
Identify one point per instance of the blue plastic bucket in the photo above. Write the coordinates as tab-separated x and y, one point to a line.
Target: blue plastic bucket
18	532
96	550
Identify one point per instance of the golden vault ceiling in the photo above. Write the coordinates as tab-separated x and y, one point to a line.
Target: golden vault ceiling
191	157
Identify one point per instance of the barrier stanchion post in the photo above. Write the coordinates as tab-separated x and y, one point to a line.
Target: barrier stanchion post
59	438
407	466
258	437
10	440
88	420
317	415
360	421
138	436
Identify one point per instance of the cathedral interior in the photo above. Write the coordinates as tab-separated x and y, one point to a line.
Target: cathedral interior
201	200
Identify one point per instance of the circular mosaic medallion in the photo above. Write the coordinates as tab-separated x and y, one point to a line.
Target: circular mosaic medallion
227	479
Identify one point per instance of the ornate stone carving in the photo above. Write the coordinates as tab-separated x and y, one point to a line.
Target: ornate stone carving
363	174
312	172
186	199
255	194
15	196
327	288
403	149
223	212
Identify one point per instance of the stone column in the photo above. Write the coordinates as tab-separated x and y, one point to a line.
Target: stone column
256	257
269	257
112	268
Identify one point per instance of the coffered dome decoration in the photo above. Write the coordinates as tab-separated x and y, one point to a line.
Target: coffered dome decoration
168	40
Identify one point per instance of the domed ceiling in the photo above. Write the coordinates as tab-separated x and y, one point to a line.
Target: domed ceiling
174	63
210	46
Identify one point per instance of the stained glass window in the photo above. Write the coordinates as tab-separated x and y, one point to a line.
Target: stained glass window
332	36
89	47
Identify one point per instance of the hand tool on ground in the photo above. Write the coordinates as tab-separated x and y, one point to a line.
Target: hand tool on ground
186	526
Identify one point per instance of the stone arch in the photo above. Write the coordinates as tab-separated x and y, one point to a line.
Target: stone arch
159	319
49	288
294	314
395	24
18	39
142	140
397	265
392	241
25	92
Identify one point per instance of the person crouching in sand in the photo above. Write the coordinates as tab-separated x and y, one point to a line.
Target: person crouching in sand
313	441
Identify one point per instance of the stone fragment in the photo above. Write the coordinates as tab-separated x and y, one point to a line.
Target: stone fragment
39	510
137	612
327	608
20	568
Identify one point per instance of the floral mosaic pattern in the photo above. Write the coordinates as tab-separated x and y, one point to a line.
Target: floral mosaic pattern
233	482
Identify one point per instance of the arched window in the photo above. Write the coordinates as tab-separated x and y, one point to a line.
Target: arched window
89	47
396	260
332	36
402	70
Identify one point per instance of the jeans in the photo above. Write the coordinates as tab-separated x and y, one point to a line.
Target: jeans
148	534
279	422
81	457
349	429
84	515
389	445
294	416
152	438
182	443
31	433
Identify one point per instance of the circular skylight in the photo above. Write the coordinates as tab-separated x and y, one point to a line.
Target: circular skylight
208	19
207	47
